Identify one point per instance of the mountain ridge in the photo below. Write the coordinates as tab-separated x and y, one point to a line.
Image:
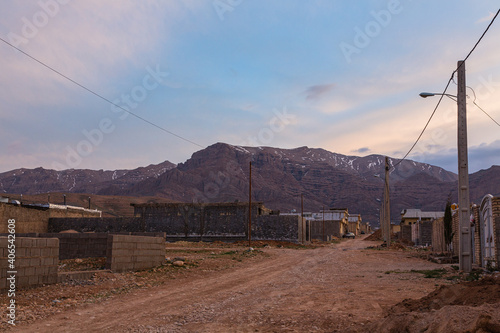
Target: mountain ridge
219	173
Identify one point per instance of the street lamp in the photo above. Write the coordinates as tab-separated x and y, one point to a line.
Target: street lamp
428	94
464	234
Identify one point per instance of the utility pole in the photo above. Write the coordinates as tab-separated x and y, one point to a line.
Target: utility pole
465	258
387	206
324	224
302	216
250	207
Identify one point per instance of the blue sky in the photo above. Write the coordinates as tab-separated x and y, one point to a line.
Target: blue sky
339	75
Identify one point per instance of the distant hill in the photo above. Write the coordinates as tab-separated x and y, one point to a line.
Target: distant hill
279	176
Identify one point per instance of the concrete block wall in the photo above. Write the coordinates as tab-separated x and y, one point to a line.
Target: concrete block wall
438	241
35	263
99	224
276	227
405	232
425	233
126	253
28	219
332	228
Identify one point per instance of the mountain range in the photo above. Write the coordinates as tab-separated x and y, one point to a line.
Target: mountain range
220	173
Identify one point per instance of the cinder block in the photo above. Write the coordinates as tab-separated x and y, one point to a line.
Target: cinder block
27	271
34	262
35	252
23	262
32	280
42	242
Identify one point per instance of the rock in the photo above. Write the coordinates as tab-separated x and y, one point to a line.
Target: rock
79	261
178	263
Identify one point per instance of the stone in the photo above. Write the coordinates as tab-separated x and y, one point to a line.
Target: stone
178	263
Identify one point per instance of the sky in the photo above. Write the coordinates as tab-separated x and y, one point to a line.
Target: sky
344	76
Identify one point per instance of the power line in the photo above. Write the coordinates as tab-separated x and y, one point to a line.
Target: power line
446	88
477	105
98	95
480	108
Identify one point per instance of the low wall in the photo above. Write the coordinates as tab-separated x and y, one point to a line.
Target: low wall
276	227
35	263
125	253
82	245
332	228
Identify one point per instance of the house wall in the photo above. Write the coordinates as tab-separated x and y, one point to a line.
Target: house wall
36	219
36	261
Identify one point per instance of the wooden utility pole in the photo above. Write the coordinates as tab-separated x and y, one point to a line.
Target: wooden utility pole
324	224
465	257
387	206
302	216
250	206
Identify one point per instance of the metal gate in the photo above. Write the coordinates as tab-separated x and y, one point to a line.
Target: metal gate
486	225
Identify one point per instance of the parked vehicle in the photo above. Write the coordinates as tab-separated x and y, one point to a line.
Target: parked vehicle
349	235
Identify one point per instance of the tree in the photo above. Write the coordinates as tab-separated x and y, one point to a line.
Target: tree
448	228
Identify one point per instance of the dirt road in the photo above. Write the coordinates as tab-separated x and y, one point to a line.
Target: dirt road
341	287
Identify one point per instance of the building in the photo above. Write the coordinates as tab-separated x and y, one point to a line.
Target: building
416	226
412	216
354	224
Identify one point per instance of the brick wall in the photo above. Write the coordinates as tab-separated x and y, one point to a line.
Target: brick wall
126	253
455	242
36	261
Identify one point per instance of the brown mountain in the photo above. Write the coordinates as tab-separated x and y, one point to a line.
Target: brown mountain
279	177
40	180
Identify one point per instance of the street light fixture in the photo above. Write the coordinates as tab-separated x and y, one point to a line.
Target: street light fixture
428	94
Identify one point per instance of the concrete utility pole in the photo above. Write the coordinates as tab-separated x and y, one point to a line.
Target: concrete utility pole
463	175
250	206
387	207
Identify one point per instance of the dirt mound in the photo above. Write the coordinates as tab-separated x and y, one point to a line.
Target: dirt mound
377	236
466	307
475	293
